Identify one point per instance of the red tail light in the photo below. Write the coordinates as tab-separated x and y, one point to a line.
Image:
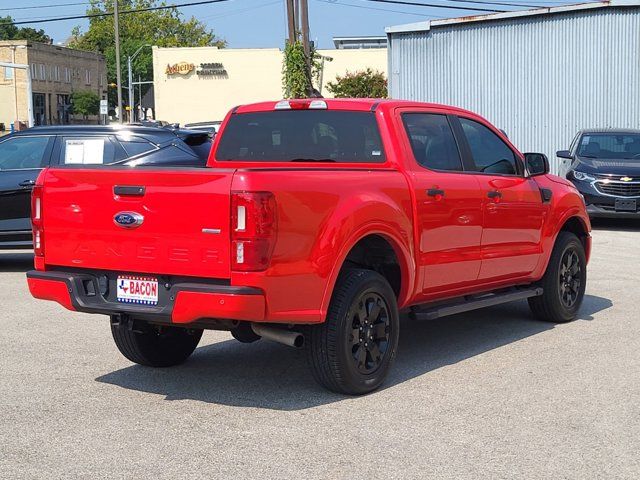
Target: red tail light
36	220
253	230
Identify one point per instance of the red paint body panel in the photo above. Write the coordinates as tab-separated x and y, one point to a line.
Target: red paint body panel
192	306
460	244
51	290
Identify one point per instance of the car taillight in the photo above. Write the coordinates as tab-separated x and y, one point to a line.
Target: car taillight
36	220
253	230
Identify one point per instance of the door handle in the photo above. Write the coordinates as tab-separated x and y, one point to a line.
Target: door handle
494	195
27	183
435	192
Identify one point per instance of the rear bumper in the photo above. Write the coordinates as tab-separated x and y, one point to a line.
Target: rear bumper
181	303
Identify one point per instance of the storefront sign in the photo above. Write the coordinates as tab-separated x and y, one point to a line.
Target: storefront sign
212	70
182	68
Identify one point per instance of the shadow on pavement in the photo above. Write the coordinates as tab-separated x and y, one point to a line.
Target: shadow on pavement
616	224
15	261
272	376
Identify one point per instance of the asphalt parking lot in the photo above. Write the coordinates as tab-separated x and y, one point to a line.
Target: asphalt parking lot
488	394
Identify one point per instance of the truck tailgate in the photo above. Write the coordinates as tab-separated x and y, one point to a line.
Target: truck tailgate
184	227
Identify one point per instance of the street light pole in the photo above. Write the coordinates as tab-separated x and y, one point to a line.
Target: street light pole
118	75
130	60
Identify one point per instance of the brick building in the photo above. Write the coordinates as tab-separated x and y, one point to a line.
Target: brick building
56	72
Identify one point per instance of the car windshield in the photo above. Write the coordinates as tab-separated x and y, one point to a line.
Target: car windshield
610	146
302	136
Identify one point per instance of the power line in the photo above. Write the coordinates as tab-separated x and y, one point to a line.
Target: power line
434	5
45	6
336	2
109	14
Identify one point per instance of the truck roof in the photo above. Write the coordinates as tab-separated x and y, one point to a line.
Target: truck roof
357	104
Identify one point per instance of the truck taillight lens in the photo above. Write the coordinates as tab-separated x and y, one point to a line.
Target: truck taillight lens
253	230
36	220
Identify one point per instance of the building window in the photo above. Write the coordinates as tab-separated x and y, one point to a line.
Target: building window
56	73
87	77
43	72
8	73
67	75
34	71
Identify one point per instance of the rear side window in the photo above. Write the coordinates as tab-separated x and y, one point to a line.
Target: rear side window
490	154
136	147
19	153
432	141
302	135
88	151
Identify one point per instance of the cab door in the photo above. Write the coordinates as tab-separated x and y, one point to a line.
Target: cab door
22	157
513	208
448	204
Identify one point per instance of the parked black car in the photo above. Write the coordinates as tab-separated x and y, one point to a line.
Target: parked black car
605	168
24	154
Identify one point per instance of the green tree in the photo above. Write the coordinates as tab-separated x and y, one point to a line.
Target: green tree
364	84
85	102
163	28
13	32
296	81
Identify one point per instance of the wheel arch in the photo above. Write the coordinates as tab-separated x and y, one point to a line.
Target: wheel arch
378	249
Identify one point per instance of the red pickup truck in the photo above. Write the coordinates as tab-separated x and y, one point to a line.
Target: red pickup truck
316	222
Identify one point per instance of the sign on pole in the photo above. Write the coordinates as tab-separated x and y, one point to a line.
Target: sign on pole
104	107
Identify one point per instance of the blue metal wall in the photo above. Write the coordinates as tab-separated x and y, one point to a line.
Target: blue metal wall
540	78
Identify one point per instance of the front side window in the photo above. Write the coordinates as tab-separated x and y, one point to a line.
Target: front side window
302	135
490	154
432	141
23	152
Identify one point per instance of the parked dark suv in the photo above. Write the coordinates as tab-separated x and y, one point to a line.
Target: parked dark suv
24	154
605	168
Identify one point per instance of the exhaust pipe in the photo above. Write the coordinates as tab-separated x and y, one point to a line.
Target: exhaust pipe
286	337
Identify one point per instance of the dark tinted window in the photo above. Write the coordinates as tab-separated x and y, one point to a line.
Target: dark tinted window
23	152
299	135
136	147
200	144
490	154
432	141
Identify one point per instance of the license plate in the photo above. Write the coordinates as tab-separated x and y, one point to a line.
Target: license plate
140	290
626	205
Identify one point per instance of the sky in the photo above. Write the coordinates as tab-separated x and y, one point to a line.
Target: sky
262	23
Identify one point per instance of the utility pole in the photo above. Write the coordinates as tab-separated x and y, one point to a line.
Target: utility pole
118	76
304	29
291	20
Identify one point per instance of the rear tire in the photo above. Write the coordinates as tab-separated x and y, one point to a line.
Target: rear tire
154	346
563	283
352	351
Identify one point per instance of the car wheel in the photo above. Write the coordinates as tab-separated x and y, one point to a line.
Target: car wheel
154	346
563	283
352	351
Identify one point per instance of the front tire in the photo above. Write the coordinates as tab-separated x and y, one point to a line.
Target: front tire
563	283
352	351
154	346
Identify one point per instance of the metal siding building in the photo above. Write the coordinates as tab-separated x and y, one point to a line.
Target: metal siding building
541	75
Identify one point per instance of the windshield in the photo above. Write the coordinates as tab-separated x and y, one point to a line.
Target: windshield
302	136
610	145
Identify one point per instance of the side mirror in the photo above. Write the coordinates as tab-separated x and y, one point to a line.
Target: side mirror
536	164
564	154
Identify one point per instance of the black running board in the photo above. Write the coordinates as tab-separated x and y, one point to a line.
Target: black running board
473	302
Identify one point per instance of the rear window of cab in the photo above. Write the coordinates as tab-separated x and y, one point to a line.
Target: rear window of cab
302	136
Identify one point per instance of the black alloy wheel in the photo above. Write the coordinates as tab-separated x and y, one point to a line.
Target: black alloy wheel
352	351
369	334
569	278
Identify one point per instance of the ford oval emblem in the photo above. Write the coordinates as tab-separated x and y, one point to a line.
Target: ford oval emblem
128	219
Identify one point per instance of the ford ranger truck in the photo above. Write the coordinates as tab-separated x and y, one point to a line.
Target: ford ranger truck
315	223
